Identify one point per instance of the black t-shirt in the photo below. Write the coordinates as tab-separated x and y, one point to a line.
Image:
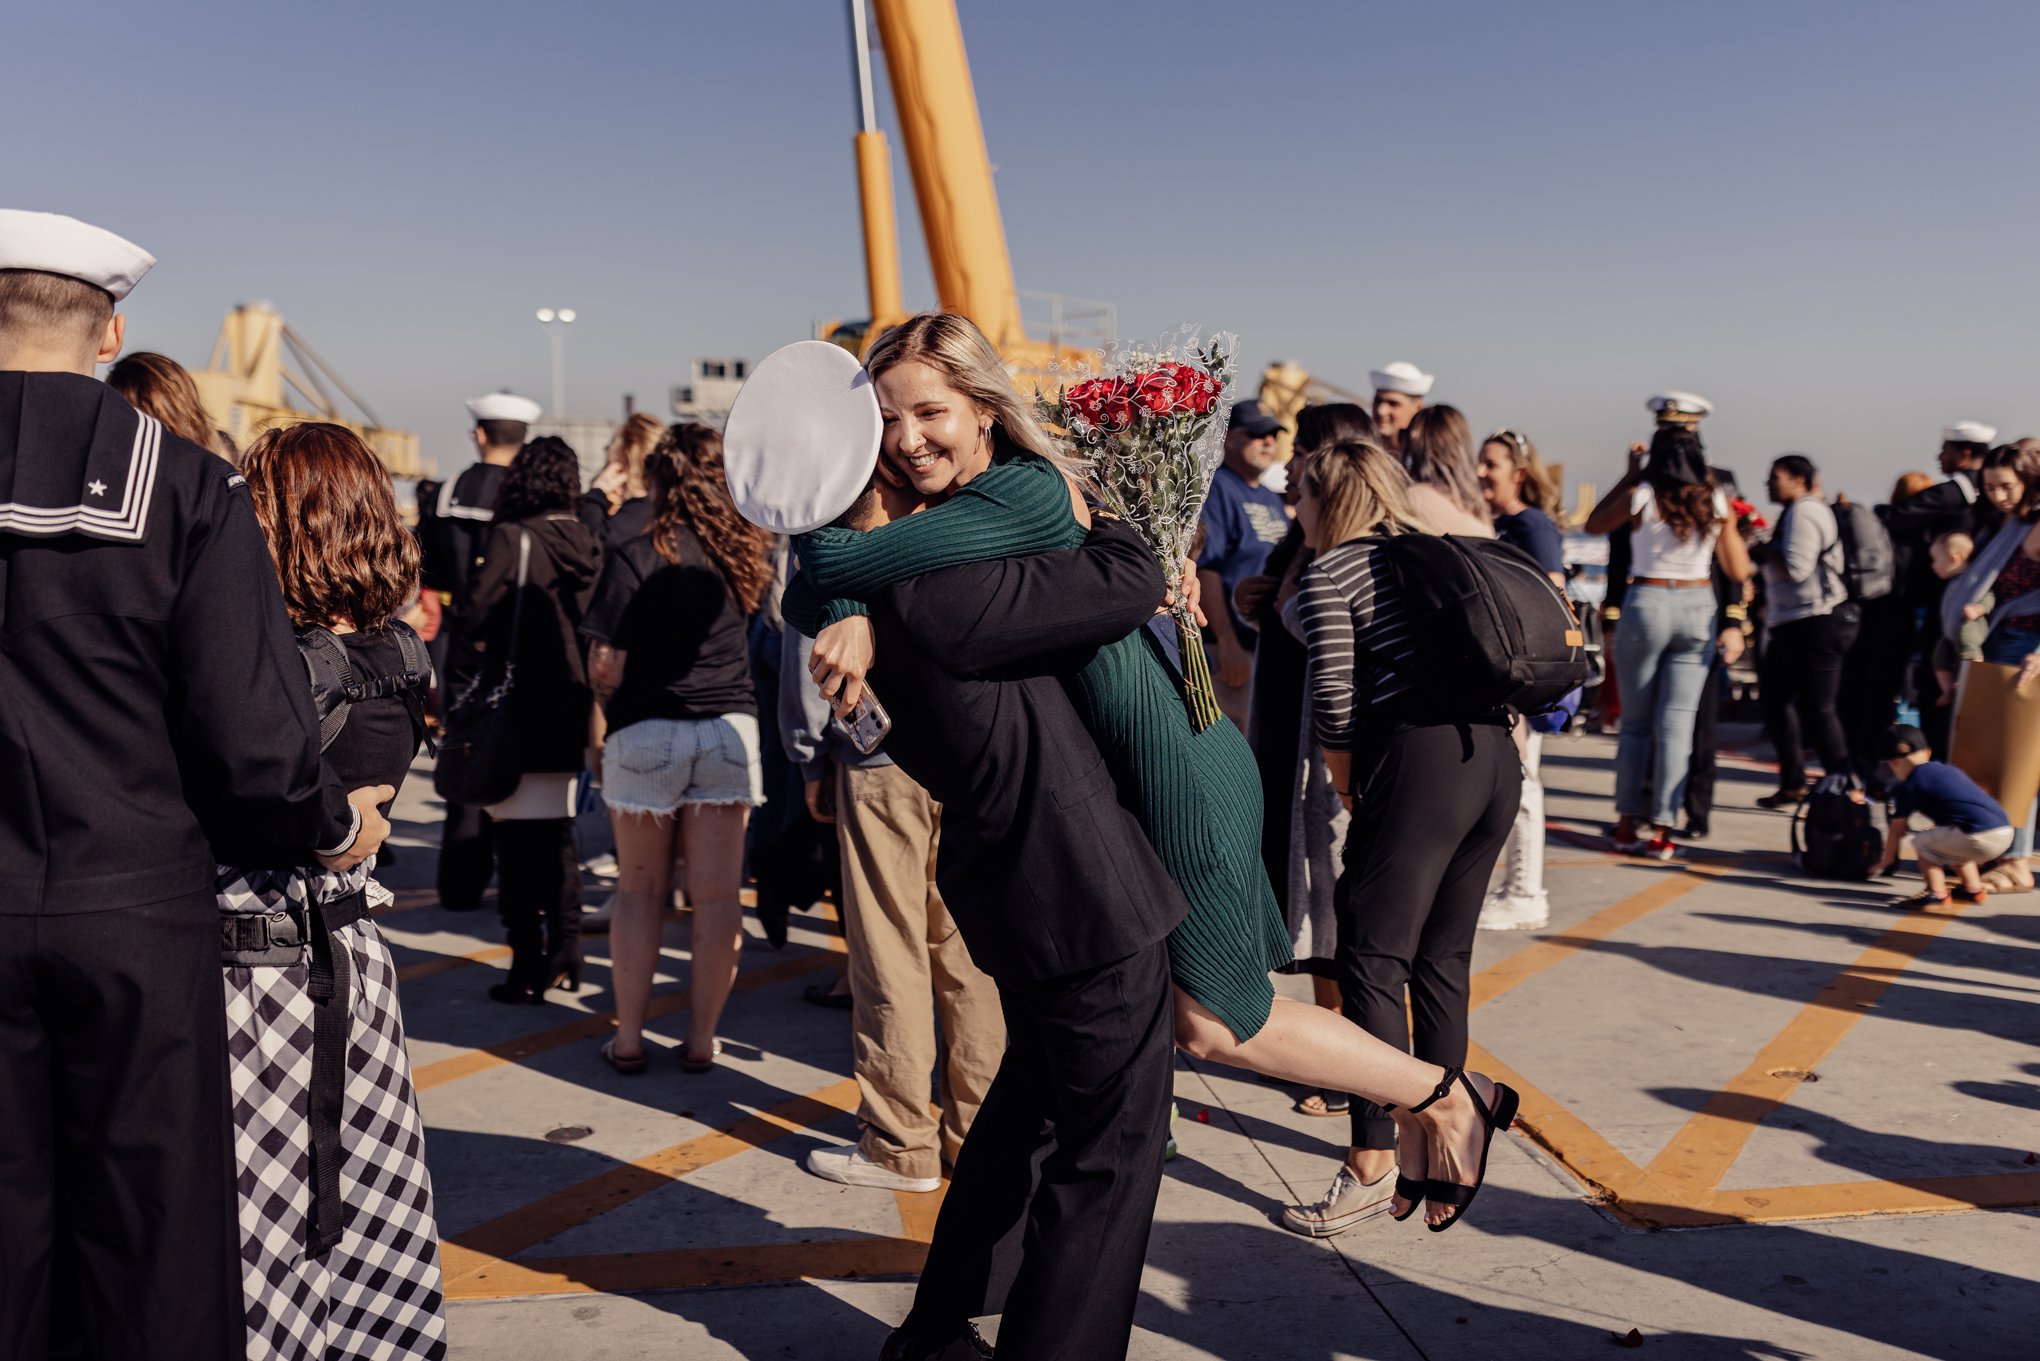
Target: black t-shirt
632	518
681	631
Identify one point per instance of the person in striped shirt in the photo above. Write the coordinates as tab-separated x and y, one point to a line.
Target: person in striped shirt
1433	797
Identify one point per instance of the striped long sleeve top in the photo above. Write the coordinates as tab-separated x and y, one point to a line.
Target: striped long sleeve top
1360	635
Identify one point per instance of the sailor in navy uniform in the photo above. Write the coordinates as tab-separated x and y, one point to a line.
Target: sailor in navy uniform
454	534
150	687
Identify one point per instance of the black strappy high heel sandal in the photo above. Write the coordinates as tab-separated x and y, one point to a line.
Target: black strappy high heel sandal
1405	1188
1494	1120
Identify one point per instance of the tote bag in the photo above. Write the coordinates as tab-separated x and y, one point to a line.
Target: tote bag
1997	736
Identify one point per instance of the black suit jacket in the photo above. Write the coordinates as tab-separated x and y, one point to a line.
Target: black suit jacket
1046	873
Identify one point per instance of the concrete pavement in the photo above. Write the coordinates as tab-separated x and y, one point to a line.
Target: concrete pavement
1764	1117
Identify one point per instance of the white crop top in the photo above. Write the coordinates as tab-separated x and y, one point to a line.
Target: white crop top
1655	551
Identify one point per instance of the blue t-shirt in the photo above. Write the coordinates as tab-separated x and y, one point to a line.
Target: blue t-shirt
1948	798
1531	530
1242	526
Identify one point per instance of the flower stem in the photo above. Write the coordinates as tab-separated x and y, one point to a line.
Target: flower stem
1198	694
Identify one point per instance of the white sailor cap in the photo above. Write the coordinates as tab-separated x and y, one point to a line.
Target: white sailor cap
55	244
1405	377
1969	432
1679	408
802	438
504	406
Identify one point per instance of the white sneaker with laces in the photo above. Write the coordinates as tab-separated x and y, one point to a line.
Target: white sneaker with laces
1348	1202
850	1167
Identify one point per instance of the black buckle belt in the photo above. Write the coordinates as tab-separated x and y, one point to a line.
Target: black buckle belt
279	938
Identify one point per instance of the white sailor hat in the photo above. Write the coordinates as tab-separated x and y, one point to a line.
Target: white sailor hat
1969	432
802	438
1405	377
1679	408
55	244
504	406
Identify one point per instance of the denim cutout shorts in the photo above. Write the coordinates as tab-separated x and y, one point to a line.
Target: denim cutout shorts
660	765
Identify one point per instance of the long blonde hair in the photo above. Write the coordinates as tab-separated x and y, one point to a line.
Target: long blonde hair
1539	490
1360	490
956	348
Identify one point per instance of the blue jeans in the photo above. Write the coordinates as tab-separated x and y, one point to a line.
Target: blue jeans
1662	650
2011	647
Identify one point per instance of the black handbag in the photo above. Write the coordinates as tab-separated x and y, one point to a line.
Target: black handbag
478	763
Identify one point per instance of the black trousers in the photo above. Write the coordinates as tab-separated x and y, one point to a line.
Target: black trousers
117	1216
538	894
1430	822
1082	1095
1801	680
1874	675
466	850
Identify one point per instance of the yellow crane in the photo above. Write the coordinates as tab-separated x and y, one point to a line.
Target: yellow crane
244	385
959	205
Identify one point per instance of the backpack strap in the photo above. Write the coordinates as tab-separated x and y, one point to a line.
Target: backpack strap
332	677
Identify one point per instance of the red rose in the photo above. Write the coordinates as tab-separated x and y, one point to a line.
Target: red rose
1158	391
1102	403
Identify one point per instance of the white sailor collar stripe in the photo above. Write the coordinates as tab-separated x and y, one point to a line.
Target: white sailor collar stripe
126	520
450	509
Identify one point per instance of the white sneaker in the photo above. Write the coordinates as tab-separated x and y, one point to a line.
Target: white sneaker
1502	912
602	866
1348	1202
850	1167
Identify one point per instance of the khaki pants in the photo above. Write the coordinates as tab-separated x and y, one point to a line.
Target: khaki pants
1950	847
904	946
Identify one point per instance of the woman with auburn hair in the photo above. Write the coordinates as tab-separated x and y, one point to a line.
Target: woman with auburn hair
339	1248
1680	528
1437	453
159	385
681	767
616	505
957	432
536	539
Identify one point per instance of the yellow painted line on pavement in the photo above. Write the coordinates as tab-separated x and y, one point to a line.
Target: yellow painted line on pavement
918	1210
467	1064
686	1268
1694	1162
1535	958
448	963
473	1250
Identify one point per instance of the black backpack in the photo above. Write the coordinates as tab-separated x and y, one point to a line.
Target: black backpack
1833	835
1869	568
336	687
1492	631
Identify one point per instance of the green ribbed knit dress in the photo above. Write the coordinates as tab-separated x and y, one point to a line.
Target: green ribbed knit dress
1198	795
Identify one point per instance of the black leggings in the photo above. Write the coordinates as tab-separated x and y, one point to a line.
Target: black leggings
1426	832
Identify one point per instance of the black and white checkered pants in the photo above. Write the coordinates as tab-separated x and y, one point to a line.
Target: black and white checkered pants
376	1296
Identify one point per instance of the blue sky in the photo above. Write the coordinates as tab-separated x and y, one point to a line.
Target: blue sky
1820	215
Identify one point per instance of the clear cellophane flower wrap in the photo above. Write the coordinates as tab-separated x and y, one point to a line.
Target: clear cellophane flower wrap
1148	427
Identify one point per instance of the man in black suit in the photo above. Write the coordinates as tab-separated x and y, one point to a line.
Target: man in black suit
1063	901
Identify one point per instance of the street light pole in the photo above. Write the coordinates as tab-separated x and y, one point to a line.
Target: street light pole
556	322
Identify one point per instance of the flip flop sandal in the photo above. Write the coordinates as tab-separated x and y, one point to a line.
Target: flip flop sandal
630	1065
1326	1103
698	1066
1494	1119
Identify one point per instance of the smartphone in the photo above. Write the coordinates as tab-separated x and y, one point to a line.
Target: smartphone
867	724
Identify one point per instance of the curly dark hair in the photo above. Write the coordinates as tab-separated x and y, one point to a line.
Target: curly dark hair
544	478
330	519
685	480
1677	476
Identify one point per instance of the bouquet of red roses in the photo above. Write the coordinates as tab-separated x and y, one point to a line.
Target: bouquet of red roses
1149	430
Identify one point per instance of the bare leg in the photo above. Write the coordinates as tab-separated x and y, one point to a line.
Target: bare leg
712	837
644	889
1936	877
1307	1044
1971	879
